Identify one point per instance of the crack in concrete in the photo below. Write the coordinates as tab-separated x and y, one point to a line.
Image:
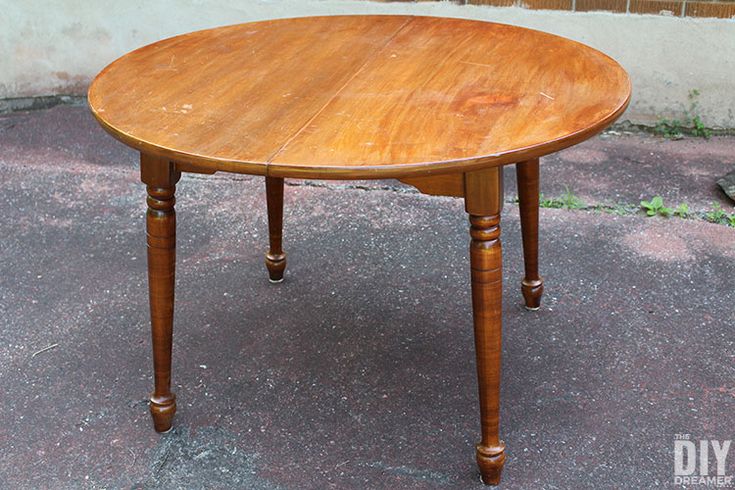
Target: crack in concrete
619	209
359	187
23	104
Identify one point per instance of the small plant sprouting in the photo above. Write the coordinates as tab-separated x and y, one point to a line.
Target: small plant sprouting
690	124
682	210
656	206
570	200
693	119
719	216
566	201
670	129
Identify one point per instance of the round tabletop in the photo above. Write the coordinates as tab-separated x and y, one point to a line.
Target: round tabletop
359	96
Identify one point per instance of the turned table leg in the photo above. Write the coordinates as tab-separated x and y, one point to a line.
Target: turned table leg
275	259
483	202
528	198
160	177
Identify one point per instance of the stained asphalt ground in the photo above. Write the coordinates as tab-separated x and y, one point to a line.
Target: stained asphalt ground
358	370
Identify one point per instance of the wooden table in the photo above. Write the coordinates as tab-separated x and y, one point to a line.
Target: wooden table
441	104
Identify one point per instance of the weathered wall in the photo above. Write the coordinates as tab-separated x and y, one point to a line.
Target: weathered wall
55	47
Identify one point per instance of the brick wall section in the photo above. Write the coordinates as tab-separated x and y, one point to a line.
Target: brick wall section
675	8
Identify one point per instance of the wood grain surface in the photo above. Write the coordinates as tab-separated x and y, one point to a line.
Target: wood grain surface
358	96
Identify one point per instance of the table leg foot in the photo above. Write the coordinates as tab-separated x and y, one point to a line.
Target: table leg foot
532	290
275	281
276	264
490	460
275	259
528	201
163	410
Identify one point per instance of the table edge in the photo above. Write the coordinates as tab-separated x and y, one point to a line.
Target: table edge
333	172
330	172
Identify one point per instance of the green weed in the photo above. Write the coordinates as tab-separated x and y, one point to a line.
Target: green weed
566	201
719	216
656	206
691	123
682	210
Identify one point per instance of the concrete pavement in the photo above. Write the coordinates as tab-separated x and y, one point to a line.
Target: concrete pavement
358	370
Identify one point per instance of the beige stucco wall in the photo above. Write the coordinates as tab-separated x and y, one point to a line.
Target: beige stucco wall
55	47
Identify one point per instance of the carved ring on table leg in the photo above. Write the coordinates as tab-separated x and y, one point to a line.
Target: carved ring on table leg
532	290
490	461
163	410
